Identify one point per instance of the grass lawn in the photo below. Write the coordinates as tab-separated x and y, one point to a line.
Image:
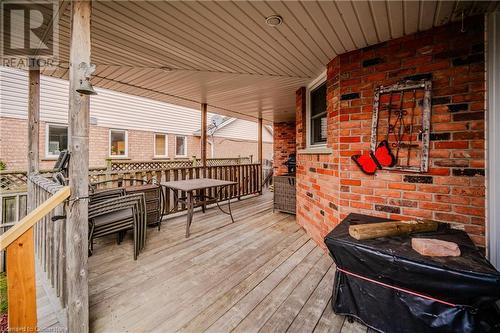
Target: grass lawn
3	293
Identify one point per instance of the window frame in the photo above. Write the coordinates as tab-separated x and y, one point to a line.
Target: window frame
109	143
166	145
185	146
48	155
313	85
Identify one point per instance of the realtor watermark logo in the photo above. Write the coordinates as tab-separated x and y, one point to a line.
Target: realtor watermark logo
30	33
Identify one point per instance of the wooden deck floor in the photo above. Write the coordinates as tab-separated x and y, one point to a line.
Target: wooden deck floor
261	273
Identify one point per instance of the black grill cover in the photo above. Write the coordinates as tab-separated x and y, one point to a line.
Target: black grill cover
468	282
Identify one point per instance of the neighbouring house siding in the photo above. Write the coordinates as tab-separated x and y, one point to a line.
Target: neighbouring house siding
228	147
284	145
331	186
243	130
141	117
13	145
110	108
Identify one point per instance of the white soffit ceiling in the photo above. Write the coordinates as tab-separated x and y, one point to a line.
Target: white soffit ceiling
223	53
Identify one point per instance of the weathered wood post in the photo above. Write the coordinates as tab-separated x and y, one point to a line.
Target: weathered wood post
20	255
204	138
77	213
33	130
260	158
259	153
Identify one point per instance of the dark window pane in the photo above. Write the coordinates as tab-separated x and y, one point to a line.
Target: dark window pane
318	100
9	210
22	206
118	144
318	130
58	139
180	146
318	114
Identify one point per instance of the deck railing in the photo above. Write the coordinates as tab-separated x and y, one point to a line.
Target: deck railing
44	228
14	181
50	238
35	233
117	165
248	177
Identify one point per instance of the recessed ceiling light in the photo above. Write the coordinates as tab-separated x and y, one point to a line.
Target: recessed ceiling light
274	20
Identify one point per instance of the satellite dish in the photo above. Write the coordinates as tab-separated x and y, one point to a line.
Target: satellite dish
216	120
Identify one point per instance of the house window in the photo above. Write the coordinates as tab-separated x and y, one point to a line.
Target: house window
161	144
180	146
317	115
118	143
13	208
56	140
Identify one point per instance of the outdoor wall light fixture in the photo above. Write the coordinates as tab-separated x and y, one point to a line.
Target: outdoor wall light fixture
274	20
85	87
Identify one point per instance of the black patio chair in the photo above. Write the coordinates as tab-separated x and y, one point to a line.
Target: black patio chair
115	212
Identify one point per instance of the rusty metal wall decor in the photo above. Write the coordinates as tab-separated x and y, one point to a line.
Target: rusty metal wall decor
402	115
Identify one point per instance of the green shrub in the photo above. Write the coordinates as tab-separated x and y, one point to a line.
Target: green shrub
3	293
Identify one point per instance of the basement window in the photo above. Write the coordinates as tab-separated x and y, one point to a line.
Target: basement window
161	145
180	146
118	143
56	140
316	114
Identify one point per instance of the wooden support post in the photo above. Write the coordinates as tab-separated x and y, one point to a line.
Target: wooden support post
77	212
259	154
33	131
261	160
204	137
21	253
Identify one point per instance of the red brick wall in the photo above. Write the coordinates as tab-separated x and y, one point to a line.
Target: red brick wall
284	145
331	186
13	146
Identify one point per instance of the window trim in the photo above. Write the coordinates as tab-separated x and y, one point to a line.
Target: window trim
166	145
126	143
313	85
185	145
48	155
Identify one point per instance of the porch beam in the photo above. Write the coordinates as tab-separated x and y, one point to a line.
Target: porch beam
20	253
33	130
78	134
260	156
259	153
204	137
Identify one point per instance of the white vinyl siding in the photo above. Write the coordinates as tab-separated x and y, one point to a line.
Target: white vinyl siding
110	108
243	130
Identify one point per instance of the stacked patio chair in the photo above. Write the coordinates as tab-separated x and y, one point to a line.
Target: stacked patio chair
113	211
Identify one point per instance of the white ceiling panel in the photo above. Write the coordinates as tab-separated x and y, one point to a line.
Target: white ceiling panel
224	54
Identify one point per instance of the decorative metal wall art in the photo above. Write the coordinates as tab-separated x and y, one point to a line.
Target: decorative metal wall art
401	126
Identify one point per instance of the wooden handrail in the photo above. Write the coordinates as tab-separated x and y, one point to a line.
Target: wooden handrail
33	217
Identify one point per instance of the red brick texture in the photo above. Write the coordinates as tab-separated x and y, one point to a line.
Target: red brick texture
331	186
284	145
13	146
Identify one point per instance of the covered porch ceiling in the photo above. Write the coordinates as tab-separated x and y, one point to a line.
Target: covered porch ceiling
224	54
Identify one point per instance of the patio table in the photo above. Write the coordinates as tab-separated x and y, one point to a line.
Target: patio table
190	186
